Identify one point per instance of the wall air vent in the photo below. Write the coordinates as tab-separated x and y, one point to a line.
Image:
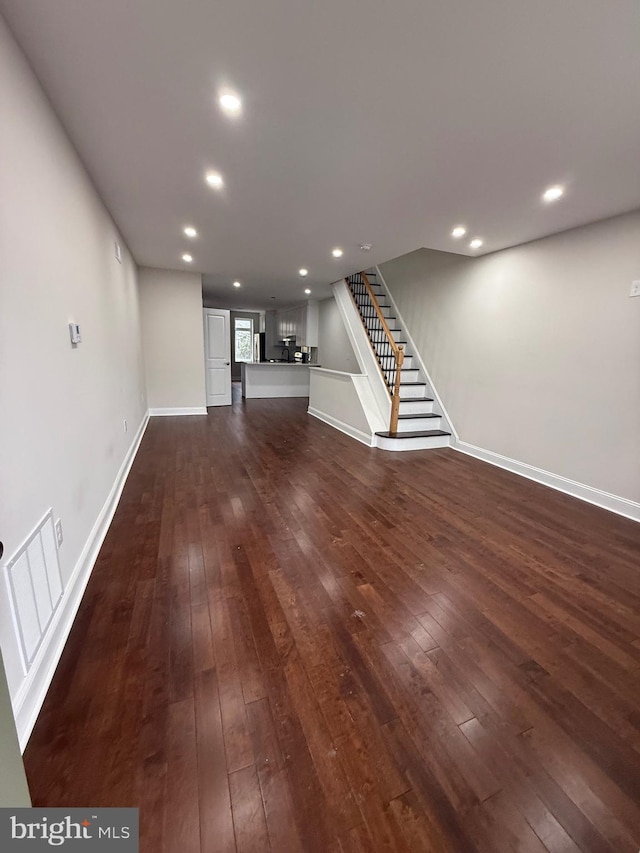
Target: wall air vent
35	585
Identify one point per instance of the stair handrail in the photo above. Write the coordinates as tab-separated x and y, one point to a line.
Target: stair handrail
396	349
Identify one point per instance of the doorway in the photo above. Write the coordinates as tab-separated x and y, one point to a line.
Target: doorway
242	322
217	355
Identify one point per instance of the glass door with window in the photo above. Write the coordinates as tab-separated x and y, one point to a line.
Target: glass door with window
242	349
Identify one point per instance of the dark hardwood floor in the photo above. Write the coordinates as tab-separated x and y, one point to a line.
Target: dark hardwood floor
292	642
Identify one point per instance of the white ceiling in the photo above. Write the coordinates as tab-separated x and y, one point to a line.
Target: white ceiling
364	120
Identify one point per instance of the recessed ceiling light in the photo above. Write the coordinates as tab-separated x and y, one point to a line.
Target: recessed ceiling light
187	258
366	247
190	231
475	244
307	291
214	180
236	284
337	253
459	231
553	193
230	103
303	272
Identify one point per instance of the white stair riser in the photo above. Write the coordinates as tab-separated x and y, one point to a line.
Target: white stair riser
399	444
410	376
413	424
419	407
411	391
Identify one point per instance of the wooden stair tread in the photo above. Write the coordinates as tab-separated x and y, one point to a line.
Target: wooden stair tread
415	399
419	415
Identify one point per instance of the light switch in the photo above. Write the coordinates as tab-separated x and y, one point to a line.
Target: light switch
635	288
74	334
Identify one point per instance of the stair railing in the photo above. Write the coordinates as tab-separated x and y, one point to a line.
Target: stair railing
389	354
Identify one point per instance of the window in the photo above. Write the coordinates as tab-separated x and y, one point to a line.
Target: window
243	339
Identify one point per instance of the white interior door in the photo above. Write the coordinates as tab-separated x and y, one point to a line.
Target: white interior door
217	355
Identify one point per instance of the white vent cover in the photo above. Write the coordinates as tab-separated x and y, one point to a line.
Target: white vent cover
35	584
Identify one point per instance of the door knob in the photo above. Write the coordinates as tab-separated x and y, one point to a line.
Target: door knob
227	363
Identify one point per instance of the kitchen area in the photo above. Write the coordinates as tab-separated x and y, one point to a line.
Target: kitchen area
283	353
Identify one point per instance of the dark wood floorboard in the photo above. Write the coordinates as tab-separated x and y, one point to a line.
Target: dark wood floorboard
292	642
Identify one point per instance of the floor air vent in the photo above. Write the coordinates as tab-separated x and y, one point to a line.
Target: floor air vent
34	580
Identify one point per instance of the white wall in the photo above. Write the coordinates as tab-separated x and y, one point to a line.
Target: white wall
62	439
173	338
337	399
334	348
535	350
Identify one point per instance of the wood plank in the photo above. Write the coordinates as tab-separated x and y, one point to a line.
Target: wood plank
182	816
274	778
248	812
214	798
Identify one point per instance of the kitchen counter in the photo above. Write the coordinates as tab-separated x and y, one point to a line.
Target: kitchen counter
275	379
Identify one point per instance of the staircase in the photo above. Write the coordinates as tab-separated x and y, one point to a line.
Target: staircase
418	425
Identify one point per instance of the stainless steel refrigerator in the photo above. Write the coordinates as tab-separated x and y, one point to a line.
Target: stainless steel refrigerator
259	346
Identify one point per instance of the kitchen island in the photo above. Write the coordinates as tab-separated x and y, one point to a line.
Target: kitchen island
275	379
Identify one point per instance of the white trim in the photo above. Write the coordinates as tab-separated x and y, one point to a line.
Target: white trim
614	503
352	431
415	352
319	369
185	410
31	694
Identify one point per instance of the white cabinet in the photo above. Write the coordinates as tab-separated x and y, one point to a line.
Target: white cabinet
299	322
312	316
287	323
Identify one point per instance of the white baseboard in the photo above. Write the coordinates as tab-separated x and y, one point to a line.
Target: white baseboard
358	434
614	503
31	694
188	410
